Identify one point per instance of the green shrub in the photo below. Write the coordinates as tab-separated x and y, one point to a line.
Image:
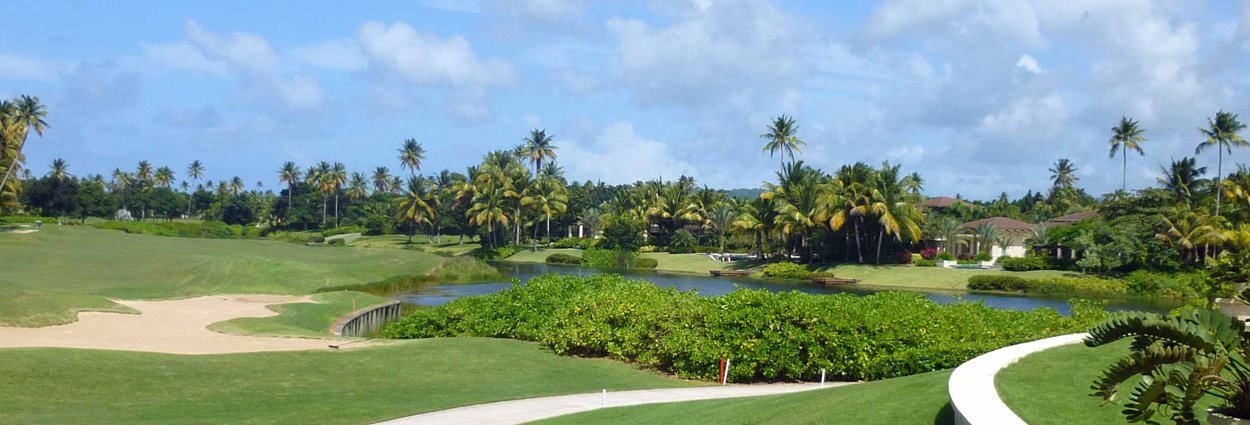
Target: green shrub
767	336
982	257
600	258
582	243
562	258
26	219
206	230
485	253
786	270
1035	262
648	248
920	262
343	230
1066	285
337	242
945	256
646	263
1173	285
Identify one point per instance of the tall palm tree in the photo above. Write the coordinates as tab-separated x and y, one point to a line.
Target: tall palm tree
144	171
984	235
759	217
289	174
195	171
948	230
913	183
898	217
59	169
336	179
319	178
236	185
538	147
411	155
1125	137
1063	173
1181	178
1221	134
549	199
783	137
164	177
487	209
358	187
17	118
721	218
416	206
381	180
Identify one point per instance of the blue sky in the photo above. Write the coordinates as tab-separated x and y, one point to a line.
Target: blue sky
978	96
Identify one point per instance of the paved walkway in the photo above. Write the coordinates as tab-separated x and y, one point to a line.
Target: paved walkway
532	409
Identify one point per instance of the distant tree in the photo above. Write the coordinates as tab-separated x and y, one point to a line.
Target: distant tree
92	201
783	137
1126	136
411	155
1222	134
1063	173
538	147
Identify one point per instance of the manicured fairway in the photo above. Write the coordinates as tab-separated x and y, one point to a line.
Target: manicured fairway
51	274
917	399
1052	387
353	387
301	319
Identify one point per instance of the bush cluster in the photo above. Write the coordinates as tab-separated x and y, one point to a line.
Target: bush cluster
562	258
343	230
26	219
1176	285
1067	285
786	270
206	229
767	336
928	253
498	253
645	263
1034	262
926	263
582	243
599	258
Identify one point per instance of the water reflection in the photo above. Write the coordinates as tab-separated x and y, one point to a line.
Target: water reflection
709	286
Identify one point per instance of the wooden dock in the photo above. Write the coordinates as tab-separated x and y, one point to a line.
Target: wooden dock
830	280
729	273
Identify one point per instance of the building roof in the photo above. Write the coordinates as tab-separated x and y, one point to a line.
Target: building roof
943	202
1001	223
1072	218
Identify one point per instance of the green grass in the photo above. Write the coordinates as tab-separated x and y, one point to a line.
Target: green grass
916	399
908	276
447	245
301	319
66	386
1052	387
672	263
73	268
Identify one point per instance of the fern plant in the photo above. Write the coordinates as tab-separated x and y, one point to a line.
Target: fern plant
1179	359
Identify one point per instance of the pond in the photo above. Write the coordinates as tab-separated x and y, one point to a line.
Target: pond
712	286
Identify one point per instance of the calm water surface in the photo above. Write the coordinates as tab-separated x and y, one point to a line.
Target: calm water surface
712	286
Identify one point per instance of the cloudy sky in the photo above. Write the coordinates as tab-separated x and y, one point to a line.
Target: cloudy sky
978	96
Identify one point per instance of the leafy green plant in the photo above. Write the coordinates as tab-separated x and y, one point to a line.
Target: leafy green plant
767	336
599	258
925	263
786	270
1084	285
562	258
1178	359
645	263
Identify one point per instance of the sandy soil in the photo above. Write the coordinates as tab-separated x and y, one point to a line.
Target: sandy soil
174	326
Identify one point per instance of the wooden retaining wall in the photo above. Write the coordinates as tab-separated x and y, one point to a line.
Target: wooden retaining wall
362	322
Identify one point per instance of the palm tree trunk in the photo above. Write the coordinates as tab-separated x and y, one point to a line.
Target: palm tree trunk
336	208
880	237
1219	173
1124	173
323	208
517	226
859	244
549	231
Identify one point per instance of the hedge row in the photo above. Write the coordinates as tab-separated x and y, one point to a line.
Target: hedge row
206	229
1084	285
767	336
562	258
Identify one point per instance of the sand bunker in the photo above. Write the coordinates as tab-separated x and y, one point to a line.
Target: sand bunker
175	326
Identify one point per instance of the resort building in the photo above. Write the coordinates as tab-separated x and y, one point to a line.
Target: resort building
1015	232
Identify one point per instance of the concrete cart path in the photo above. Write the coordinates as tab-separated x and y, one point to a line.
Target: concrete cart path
532	409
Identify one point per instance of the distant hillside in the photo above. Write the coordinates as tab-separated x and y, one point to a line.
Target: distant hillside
745	193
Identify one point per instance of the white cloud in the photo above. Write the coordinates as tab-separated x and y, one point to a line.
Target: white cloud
542	10
258	65
22	68
339	55
462	6
619	155
1028	63
425	58
1027	118
182	57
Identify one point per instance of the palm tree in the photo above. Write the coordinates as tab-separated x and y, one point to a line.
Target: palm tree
59	169
783	136
487	209
1040	236
319	178
1063	173
759	217
357	189
592	218
799	205
195	171
984	235
538	147
236	185
17	118
381	180
549	199
164	177
1221	134
415	207
722	218
897	217
913	183
949	231
1181	177
289	174
144	171
1125	137
411	155
336	179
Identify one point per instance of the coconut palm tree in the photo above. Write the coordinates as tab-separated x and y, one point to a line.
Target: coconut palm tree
358	187
549	199
898	217
783	137
1181	178
336	179
411	155
983	235
59	169
721	218
416	206
381	180
591	219
289	174
319	178
1063	173
488	208
538	147
913	183
1127	136
17	118
799	205
758	217
236	185
1221	133
195	171
951	234
164	177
